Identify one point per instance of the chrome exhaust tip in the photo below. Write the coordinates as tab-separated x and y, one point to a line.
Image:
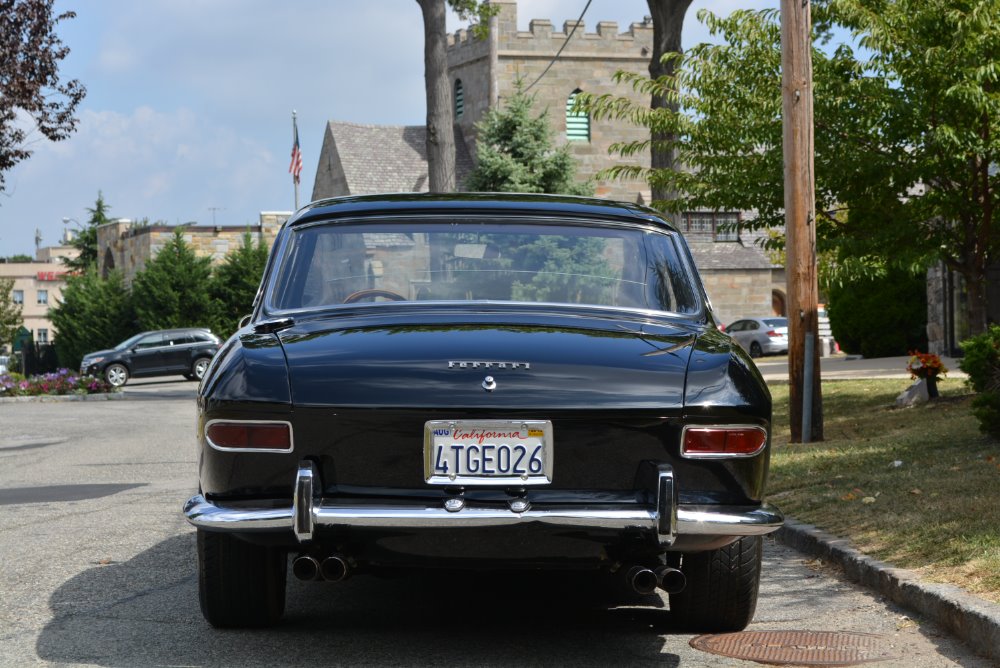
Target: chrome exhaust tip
306	568
671	580
334	568
641	579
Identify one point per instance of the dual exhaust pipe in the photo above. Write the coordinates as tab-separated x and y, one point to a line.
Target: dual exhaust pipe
643	580
332	569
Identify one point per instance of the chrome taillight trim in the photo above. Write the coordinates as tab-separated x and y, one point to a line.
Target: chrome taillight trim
723	455
222	448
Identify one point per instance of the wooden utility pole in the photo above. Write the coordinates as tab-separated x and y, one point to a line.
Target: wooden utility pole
805	400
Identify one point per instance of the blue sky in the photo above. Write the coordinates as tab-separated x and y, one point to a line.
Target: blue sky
189	102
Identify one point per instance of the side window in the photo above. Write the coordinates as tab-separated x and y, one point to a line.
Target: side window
180	338
151	341
577	122
753	325
736	326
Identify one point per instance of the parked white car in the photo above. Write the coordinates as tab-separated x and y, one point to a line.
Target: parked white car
761	336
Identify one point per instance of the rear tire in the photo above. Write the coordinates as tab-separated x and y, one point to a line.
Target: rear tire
239	584
722	585
756	350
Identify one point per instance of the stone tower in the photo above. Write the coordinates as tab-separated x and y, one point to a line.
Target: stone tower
483	73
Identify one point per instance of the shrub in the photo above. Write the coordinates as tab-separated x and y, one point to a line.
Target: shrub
982	364
880	317
62	381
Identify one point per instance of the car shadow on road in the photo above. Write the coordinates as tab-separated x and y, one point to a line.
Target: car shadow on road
145	612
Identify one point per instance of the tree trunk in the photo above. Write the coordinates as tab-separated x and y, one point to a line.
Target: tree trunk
440	125
668	22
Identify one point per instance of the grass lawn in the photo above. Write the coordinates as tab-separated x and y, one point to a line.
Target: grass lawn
917	487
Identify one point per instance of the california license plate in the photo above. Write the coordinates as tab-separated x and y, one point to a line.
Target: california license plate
488	452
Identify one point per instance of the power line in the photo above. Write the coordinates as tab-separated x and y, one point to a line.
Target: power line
556	57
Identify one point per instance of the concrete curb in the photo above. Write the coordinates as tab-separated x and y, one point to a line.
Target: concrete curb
971	619
55	398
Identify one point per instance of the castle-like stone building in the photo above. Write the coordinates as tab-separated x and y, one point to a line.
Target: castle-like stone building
555	66
126	245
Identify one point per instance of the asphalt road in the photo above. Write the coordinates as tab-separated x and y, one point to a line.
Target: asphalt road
840	367
98	568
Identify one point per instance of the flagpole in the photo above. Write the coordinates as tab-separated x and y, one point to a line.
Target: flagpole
295	149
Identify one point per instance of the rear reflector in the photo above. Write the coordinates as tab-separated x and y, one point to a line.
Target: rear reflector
736	441
249	435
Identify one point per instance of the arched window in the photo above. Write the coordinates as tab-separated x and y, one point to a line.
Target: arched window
459	99
577	122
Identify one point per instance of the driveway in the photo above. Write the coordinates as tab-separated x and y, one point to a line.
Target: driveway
99	569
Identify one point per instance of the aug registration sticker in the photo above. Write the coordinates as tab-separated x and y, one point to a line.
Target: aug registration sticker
488	452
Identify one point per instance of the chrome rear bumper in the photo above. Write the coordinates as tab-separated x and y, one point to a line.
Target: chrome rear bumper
309	512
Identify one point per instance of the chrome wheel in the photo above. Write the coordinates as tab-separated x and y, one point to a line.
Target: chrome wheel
116	375
200	367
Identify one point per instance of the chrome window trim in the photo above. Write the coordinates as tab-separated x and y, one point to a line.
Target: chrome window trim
221	448
723	455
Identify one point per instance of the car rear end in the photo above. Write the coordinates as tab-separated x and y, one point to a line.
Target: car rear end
594	421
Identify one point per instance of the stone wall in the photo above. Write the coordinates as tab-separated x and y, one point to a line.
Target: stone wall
588	63
737	293
127	246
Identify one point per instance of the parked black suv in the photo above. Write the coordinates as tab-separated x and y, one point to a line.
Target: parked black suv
161	353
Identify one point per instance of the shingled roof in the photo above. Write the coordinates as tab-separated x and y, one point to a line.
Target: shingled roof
368	159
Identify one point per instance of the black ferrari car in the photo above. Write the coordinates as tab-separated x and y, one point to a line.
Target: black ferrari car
482	381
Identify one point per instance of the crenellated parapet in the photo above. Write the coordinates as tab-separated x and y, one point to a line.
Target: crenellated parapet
542	38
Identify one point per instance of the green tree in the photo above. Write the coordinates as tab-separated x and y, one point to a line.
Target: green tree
515	153
172	291
93	314
10	313
235	282
86	239
880	316
29	80
905	134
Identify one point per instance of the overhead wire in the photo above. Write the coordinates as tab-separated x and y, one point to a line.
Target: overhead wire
579	21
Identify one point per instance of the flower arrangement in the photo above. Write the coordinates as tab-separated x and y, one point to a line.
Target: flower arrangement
62	381
925	365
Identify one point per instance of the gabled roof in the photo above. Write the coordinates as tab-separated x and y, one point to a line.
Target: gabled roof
368	159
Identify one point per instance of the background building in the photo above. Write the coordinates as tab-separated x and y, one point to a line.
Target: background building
128	246
38	285
367	159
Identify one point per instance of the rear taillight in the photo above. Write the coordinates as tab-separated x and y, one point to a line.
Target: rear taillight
722	441
773	334
249	435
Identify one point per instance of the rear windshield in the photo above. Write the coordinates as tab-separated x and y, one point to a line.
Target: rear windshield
776	322
325	265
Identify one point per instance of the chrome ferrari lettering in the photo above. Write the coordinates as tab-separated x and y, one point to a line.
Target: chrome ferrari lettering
491	364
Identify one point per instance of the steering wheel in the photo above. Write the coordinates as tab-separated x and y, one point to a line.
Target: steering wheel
373	292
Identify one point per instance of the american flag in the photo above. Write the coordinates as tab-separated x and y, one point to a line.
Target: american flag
295	168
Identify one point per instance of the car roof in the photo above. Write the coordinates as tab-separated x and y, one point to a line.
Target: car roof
472	203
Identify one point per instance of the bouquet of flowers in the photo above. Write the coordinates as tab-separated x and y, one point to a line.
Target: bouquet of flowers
925	365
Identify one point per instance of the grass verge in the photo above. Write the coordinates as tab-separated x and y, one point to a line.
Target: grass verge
916	487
